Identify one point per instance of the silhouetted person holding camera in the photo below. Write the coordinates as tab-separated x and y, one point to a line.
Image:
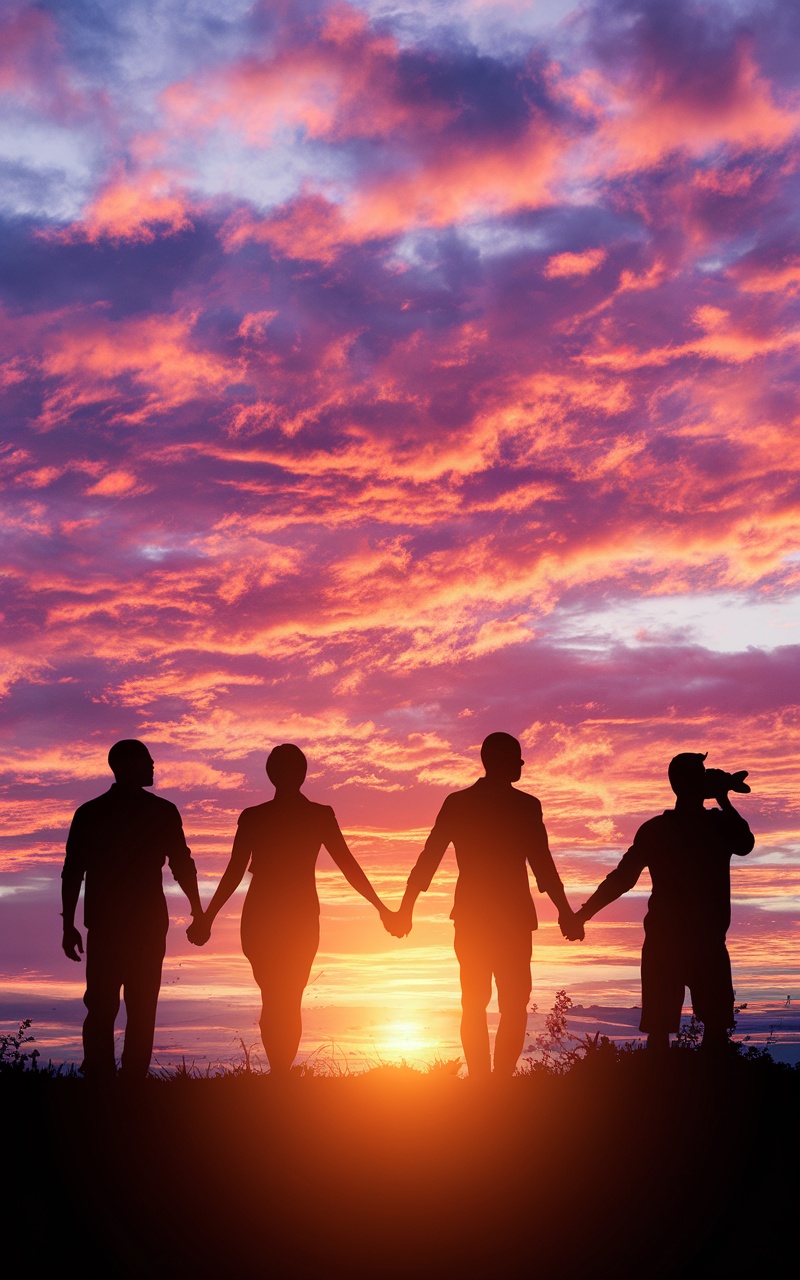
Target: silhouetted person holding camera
119	843
497	832
687	851
280	841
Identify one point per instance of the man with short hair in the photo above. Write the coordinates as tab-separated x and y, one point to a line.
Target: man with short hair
119	842
688	851
497	832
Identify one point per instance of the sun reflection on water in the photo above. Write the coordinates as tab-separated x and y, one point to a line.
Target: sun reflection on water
405	1037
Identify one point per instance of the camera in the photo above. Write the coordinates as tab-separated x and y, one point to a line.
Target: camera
718	781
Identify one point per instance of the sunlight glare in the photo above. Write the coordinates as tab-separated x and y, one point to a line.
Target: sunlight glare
406	1037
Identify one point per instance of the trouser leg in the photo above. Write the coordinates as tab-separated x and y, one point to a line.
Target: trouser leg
103	983
510	1039
476	992
711	985
142	983
512	971
663	988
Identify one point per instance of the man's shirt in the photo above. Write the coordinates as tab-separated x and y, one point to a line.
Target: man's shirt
497	832
688	856
120	842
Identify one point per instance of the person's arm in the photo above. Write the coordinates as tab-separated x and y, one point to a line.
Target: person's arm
200	930
181	864
424	870
353	873
71	880
549	881
737	830
71	941
617	882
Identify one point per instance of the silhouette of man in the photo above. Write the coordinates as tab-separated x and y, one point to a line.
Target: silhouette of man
497	832
119	842
687	851
280	841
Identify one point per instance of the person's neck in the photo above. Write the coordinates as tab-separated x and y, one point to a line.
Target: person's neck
689	804
286	794
497	782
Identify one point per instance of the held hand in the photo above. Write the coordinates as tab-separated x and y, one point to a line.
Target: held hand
72	943
394	923
403	923
199	931
571	926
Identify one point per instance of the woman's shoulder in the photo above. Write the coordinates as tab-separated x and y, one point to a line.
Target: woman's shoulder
322	811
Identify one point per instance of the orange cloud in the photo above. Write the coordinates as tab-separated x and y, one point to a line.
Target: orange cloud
780	277
461	183
113	485
132	207
574	264
724	338
157	354
646	119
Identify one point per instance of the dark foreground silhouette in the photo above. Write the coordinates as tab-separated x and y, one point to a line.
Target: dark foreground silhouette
688	851
497	832
119	843
627	1165
279	842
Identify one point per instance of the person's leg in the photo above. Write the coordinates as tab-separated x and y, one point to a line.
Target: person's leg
142	983
663	990
281	1026
281	967
512	971
476	992
711	986
103	983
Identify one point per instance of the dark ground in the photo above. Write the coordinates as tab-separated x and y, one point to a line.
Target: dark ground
612	1168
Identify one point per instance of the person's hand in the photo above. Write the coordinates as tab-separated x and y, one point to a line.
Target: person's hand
395	923
719	783
72	943
199	931
571	926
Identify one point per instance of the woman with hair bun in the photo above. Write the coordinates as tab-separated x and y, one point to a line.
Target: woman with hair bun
279	842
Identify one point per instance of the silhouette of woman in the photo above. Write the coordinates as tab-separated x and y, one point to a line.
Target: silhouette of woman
280	842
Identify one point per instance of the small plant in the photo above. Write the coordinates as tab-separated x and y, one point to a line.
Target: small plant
443	1067
690	1034
12	1056
555	1055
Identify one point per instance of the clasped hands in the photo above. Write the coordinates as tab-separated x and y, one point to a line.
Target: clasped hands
199	930
572	925
397	923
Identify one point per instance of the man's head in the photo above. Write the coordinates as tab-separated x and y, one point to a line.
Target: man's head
286	767
131	763
686	774
502	757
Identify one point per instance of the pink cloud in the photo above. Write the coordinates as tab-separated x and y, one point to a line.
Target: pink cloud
113	484
92	358
132	206
564	265
34	71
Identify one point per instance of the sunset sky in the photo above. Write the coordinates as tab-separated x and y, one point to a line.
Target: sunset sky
376	376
